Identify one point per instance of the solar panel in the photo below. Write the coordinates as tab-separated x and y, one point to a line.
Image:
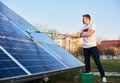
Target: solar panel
22	57
8	68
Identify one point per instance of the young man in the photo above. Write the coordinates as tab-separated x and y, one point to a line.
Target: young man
88	33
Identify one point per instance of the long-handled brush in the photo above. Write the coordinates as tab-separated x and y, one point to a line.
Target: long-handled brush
38	31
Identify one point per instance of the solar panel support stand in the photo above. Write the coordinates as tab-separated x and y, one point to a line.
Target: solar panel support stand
46	79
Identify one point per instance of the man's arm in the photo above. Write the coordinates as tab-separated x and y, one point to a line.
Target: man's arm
90	33
77	35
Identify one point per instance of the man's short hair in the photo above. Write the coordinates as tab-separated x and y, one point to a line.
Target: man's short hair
87	16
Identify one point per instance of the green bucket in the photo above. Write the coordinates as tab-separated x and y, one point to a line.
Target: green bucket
86	77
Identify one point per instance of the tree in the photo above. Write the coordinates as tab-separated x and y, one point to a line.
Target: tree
44	28
41	27
110	52
118	47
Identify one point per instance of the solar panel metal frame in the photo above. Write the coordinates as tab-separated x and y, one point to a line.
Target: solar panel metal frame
35	76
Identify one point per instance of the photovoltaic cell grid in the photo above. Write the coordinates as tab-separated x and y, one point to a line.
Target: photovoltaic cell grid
31	56
9	68
20	56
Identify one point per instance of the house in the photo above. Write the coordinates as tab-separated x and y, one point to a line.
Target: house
111	44
68	43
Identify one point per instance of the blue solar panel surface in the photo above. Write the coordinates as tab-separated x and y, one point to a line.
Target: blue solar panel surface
8	68
30	57
62	55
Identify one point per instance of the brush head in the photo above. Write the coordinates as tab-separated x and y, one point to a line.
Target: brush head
29	31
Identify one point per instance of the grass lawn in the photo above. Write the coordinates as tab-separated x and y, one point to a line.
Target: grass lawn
109	65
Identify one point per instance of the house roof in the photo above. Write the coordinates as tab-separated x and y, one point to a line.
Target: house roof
110	43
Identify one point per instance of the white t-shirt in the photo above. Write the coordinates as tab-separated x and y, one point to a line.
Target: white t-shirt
89	42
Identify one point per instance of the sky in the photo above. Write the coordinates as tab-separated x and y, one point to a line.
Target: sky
66	15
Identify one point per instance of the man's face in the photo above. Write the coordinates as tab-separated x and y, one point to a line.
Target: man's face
85	20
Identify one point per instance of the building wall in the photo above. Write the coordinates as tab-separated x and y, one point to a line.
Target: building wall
61	42
70	44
